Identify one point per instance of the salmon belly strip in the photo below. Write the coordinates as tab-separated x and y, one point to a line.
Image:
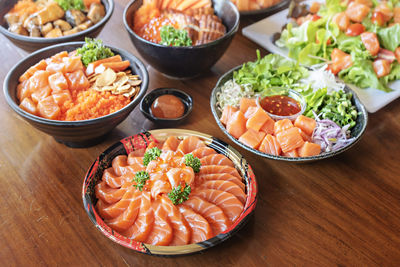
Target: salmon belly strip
147	214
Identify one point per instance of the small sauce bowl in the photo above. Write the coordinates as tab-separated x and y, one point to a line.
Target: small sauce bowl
292	94
147	101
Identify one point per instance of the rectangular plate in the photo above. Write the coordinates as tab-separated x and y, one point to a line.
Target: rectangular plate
262	33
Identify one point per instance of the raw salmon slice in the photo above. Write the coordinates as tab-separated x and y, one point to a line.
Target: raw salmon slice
289	139
115	66
128	217
176	175
109	211
29	106
201	229
132	159
216	159
77	80
257	120
189	144
227	113
252	138
220	176
309	149
212	213
171	143
41	65
115	181
92	66
282	125
306	124
305	136
72	64
226	186
270	145
250	111
108	194
236	125
182	232
245	103
202	152
144	222
160	184
48	108
55	67
23	90
230	205
291	154
121	167
58	82
162	232
210	169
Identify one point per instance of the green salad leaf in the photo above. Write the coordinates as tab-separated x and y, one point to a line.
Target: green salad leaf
178	195
389	37
174	37
93	50
71	4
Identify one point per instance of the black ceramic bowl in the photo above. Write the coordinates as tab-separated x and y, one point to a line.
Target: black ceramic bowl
147	101
33	43
356	133
73	133
185	62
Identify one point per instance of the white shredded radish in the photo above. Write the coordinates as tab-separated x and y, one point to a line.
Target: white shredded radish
319	78
231	93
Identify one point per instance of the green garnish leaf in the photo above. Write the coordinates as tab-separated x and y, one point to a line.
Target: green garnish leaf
151	154
177	195
93	50
192	161
71	4
140	178
174	37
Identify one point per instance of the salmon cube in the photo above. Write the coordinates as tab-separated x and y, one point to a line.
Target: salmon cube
236	125
39	85
227	113
54	67
257	120
59	56
245	103
23	90
58	82
48	108
72	63
282	125
250	111
61	97
29	106
252	138
306	124
289	139
29	72
309	149
268	127
291	154
305	136
270	145
357	12
77	80
40	93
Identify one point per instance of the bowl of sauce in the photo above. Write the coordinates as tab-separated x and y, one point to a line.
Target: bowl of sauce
166	106
280	107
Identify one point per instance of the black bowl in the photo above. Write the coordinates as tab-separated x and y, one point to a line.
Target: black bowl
185	62
73	133
147	101
33	43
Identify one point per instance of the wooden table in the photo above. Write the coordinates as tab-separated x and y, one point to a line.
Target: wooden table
339	211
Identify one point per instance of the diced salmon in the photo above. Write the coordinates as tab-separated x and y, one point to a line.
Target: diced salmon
396	15
289	139
270	145
315	6
23	90
48	108
72	64
227	113
58	82
29	106
54	67
357	12
282	125
368	3
252	138
245	103
397	54
162	232
201	229
340	61
381	67
216	159
341	20
257	120
189	144
385	10
236	125
291	154
309	149
371	42
59	56
250	111
306	124
29	72
41	93
268	127
171	143
61	97
39	85
305	136
77	80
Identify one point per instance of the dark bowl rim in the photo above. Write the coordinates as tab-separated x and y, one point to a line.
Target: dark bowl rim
226	35
325	155
266	10
43	40
37	119
161	120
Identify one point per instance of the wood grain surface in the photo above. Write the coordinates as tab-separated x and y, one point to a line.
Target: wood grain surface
343	211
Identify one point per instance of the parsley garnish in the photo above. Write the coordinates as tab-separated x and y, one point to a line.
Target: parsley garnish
93	50
174	37
177	195
140	178
71	4
151	154
193	162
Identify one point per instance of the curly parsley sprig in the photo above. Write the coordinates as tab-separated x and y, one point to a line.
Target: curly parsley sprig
140	178
174	37
151	154
192	161
177	195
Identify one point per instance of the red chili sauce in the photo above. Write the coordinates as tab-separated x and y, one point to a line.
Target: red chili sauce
167	107
280	105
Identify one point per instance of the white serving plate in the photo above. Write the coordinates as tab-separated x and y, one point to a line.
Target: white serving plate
262	33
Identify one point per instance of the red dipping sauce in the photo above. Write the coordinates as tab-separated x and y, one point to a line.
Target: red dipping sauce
167	107
280	105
